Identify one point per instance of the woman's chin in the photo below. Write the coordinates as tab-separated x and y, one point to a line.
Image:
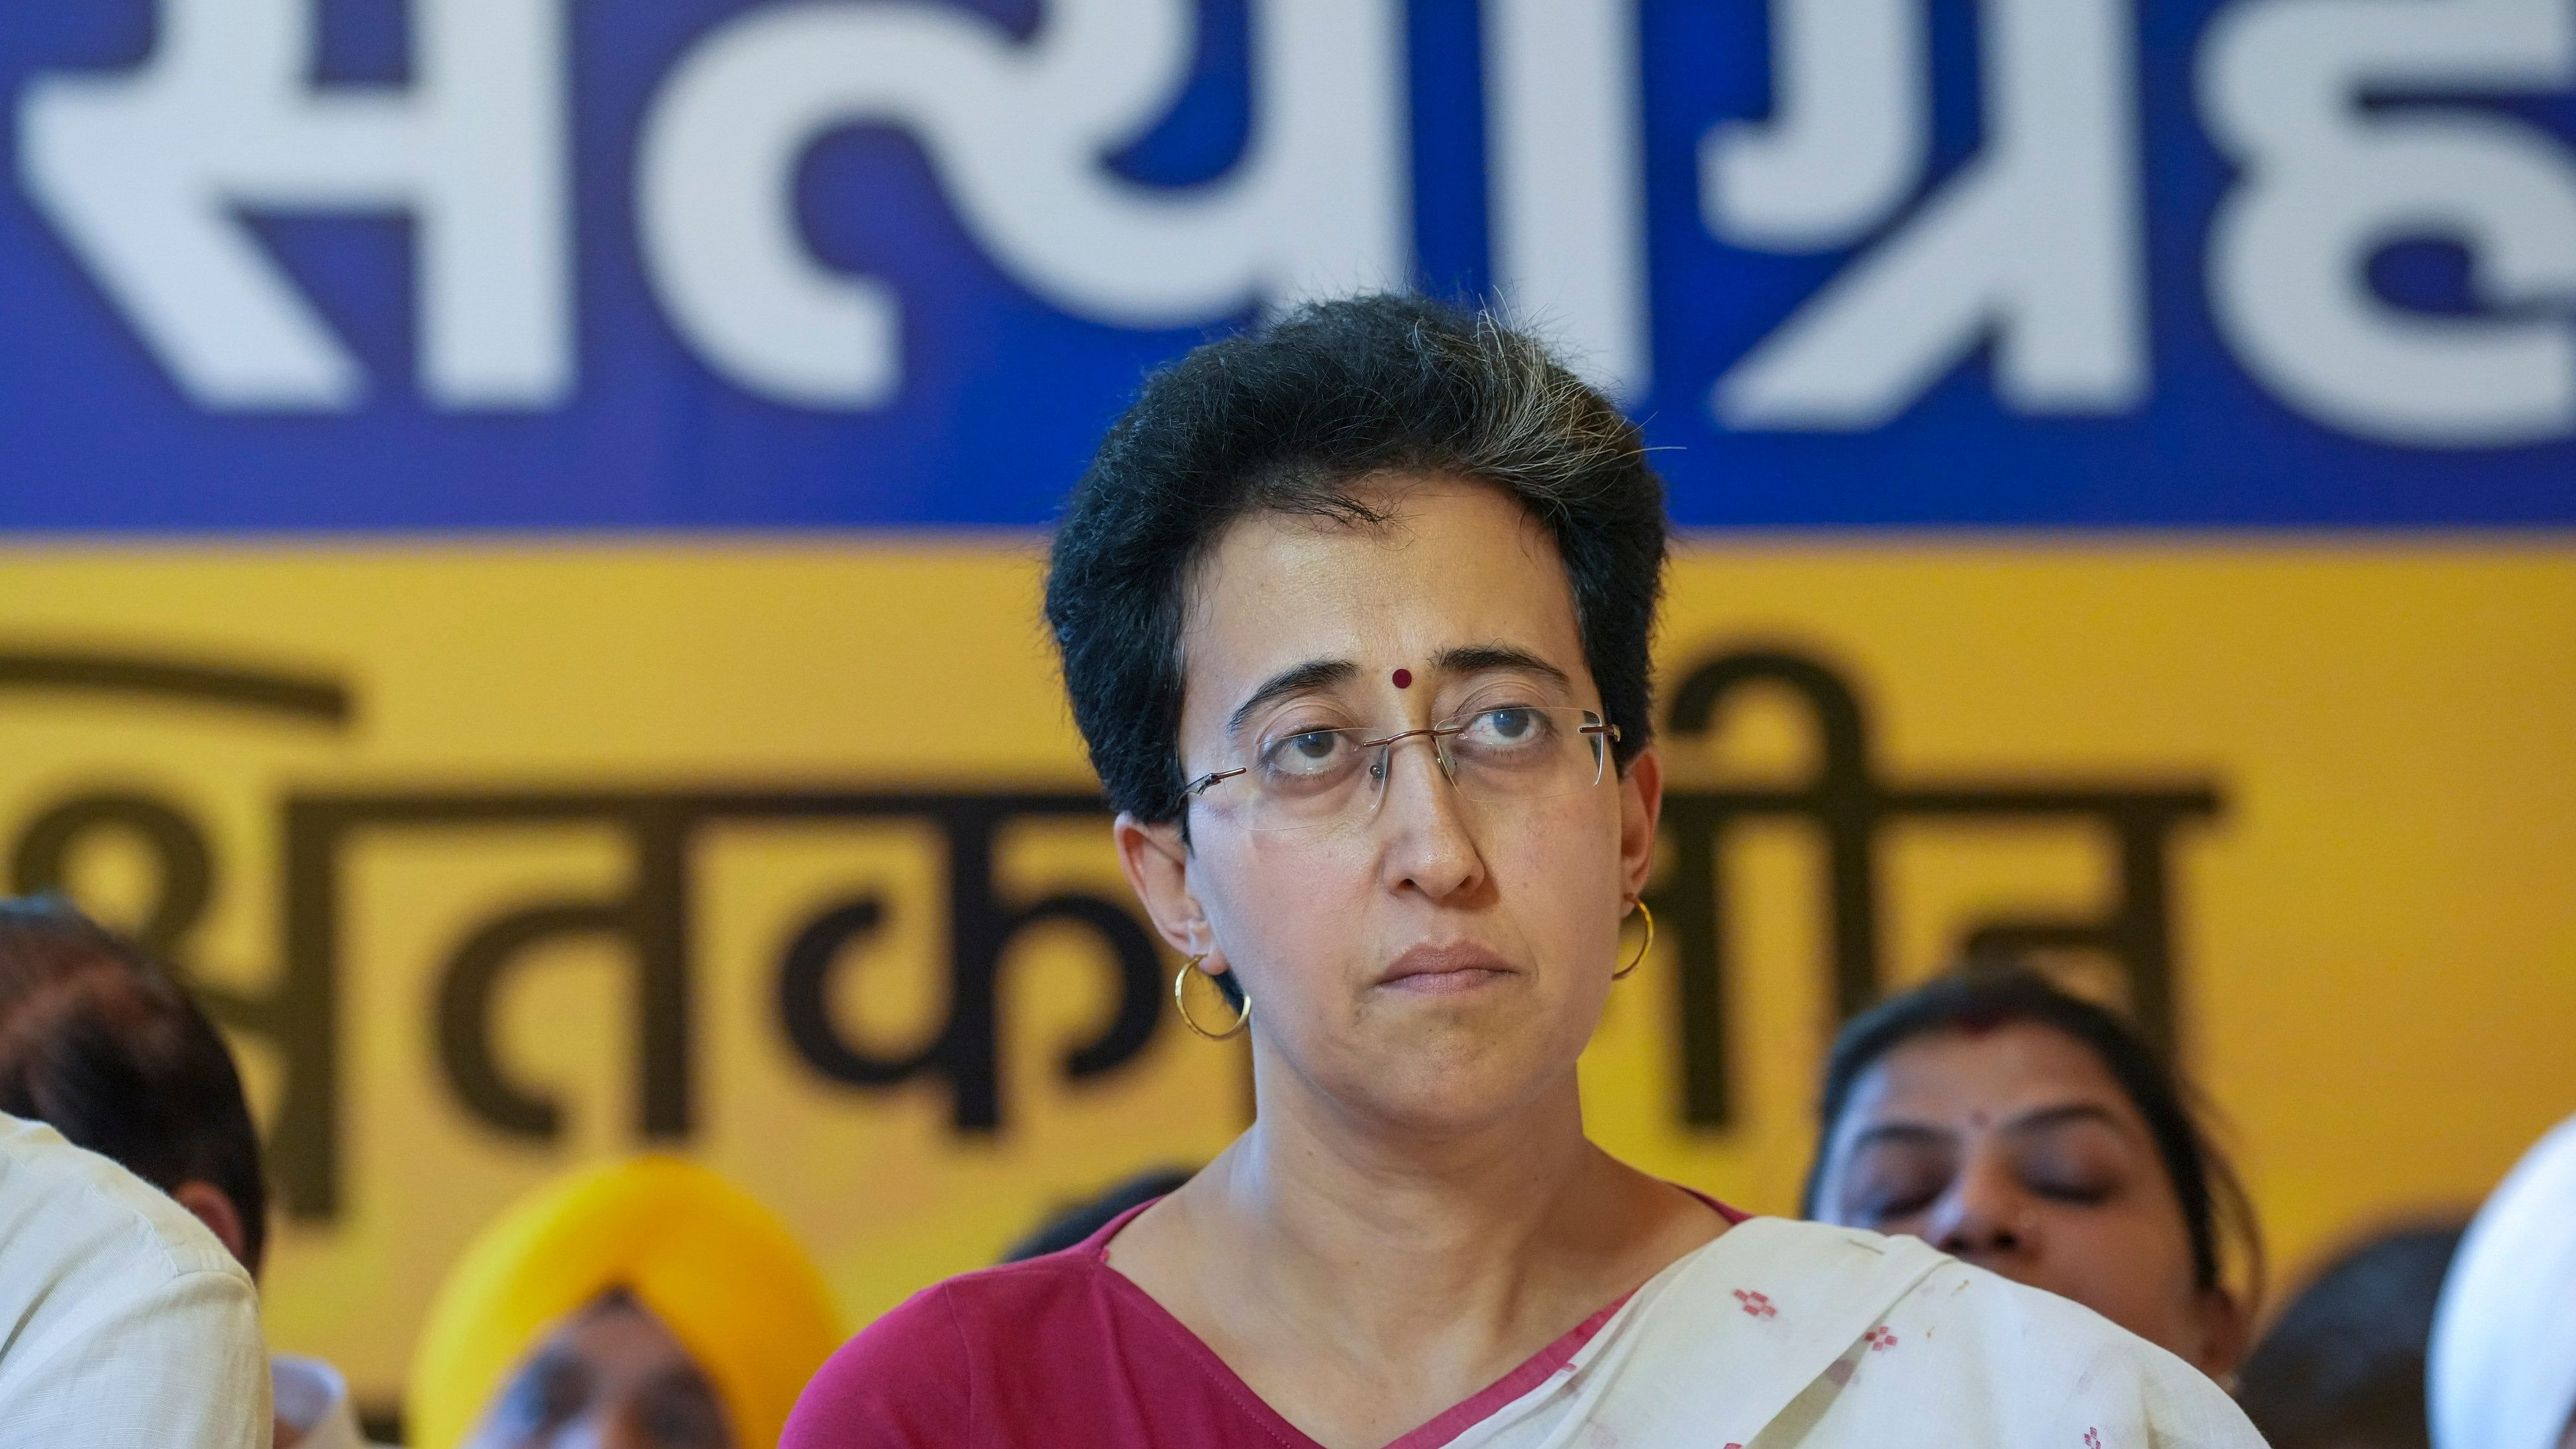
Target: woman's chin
1459	1096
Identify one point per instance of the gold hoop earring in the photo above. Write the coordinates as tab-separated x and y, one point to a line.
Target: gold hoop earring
1180	999
1643	947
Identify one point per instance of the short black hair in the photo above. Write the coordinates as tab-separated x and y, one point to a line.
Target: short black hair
1992	992
2343	1366
103	1045
1286	419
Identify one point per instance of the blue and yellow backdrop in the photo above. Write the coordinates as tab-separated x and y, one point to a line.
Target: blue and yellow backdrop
524	523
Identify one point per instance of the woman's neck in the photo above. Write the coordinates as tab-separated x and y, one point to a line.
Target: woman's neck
1315	1185
1385	1235
1361	1277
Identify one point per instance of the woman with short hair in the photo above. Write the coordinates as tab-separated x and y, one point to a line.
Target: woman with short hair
1354	612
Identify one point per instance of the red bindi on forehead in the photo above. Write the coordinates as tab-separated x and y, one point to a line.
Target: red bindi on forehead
1404	679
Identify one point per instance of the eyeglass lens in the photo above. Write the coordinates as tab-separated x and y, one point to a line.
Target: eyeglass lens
1311	778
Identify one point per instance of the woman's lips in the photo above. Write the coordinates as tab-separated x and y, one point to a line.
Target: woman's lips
1444	970
1445	983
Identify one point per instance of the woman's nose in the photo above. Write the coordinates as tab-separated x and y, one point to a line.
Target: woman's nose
1431	845
1984	1216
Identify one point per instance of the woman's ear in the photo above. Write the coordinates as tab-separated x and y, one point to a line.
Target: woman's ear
1156	861
2226	1334
1641	805
214	1207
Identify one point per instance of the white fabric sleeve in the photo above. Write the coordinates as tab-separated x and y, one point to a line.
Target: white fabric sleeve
180	1366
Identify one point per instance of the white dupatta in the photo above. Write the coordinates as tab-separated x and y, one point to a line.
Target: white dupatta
1782	1334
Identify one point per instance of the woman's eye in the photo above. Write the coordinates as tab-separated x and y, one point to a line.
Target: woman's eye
2073	1168
1889	1183
2083	1189
1508	726
1306	752
1902	1205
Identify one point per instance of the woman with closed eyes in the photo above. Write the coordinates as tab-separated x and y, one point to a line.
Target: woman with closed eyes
1354	612
2033	1133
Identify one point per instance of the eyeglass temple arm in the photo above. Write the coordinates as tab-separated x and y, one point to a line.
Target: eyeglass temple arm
1199	785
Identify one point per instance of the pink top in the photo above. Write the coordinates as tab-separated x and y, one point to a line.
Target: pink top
1065	1349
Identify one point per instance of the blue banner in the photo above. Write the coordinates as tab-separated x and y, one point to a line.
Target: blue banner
318	265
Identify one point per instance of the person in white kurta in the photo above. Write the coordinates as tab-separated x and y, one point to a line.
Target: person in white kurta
2501	1371
102	1041
123	1322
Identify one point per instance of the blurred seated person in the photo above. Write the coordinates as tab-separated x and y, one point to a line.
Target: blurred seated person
103	1046
1071	1226
2031	1132
2343	1366
126	1322
2503	1359
646	1304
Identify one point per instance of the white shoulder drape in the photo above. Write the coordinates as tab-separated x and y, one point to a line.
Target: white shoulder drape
1784	1334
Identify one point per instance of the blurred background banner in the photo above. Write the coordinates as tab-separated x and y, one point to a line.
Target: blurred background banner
526	517
503	857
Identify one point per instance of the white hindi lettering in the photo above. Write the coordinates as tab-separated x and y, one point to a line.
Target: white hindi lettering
2326	183
1850	134
1567	172
2038	243
145	174
1019	133
2035	246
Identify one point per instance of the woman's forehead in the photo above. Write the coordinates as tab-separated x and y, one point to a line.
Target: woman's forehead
1452	563
1998	1074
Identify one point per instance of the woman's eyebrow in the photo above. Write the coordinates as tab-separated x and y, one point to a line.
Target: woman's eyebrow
2064	1114
1905	1134
1484	658
1313	674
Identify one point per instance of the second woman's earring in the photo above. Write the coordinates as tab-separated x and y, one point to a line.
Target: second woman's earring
1181	999
1643	947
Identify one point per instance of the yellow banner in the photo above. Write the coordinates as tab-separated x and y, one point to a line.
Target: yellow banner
496	858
